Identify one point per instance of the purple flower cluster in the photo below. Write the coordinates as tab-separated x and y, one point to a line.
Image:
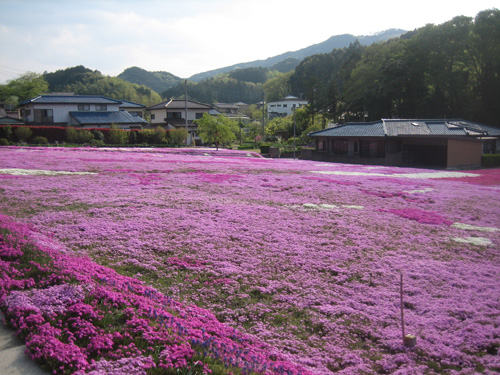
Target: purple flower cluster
303	257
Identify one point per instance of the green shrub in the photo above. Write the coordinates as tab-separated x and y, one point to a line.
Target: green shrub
118	136
246	146
491	160
4	142
23	133
98	135
85	136
39	140
178	136
264	148
159	135
71	135
7	130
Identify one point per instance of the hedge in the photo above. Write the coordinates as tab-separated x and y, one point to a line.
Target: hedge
490	160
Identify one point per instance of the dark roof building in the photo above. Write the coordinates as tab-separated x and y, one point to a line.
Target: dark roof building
81	111
441	143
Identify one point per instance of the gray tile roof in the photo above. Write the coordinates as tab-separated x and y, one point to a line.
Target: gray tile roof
71	99
129	104
409	127
354	129
105	118
180	104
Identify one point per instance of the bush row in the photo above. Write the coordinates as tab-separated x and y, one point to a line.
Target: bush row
94	136
490	160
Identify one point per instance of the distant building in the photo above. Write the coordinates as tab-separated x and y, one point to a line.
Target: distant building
134	109
171	114
408	142
7	119
231	111
284	107
86	111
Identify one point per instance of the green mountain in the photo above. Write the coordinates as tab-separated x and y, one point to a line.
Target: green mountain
158	81
334	42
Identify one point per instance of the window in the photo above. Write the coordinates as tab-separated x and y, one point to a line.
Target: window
174	115
153	116
83	107
44	115
101	107
199	115
26	113
285	105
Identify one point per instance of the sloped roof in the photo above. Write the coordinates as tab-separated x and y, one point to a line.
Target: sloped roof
129	104
71	99
409	127
6	119
179	104
105	118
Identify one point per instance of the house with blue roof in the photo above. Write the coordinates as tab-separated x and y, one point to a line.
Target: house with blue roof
408	142
84	111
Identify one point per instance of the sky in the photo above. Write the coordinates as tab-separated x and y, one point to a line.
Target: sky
186	37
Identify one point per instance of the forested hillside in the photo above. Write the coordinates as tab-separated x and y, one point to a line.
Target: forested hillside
158	81
450	70
81	81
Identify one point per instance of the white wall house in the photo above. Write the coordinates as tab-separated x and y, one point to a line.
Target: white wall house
284	107
172	115
86	111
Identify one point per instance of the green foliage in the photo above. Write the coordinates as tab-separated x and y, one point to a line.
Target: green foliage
117	136
4	142
254	75
39	140
217	130
71	135
159	135
85	136
7	131
178	136
27	86
158	81
23	133
278	87
490	160
220	89
98	135
83	81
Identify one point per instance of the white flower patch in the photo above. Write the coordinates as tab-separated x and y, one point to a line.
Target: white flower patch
425	175
325	206
478	241
475	228
39	172
422	191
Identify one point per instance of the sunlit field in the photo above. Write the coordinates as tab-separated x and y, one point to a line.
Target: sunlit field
159	261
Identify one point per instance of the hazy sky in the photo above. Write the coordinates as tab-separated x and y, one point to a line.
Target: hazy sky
185	37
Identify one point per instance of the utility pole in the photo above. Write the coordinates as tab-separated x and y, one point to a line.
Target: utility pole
263	115
188	139
293	132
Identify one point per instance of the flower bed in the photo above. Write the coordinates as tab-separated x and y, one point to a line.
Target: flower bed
304	257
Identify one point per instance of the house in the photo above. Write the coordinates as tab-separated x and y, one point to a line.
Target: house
172	115
86	111
7	119
284	107
231	111
134	109
407	142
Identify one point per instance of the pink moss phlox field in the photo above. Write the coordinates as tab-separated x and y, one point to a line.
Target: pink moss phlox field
305	263
93	320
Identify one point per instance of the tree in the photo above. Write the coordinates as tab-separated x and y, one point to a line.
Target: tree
27	86
217	130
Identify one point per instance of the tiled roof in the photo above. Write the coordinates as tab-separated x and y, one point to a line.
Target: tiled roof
409	127
71	99
129	104
103	118
361	129
180	104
